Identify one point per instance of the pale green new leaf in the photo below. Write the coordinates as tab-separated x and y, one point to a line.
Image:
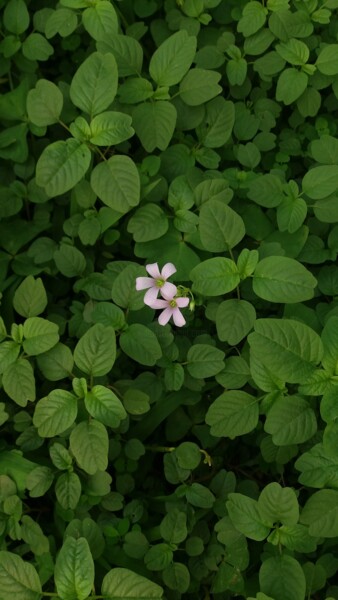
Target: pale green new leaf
282	577
44	103
61	166
290	420
74	570
94	84
232	414
55	413
18	578
30	298
40	335
117	183
89	445
95	352
172	59
123	584
215	276
220	227
19	383
283	279
154	124
105	406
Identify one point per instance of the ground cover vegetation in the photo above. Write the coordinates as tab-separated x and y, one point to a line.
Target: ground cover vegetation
174	156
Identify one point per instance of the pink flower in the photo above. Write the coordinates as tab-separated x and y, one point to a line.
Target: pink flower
171	307
157	282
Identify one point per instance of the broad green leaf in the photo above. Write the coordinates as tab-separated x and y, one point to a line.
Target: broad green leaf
174	526
320	513
74	570
128	54
55	413
117	183
39	481
290	85
18	578
215	276
330	343
40	335
327	60
282	279
68	490
105	406
154	123
204	361
282	577
149	222
245	516
62	21
234	320
16	16
57	363
134	90
174	377
317	468
291	214
289	348
252	19
217	126
294	51
232	414
199	86
9	352
248	155
19	383
30	298
69	260
89	445
325	150
172	59
220	227
123	584
95	352
140	344
290	420
110	128
36	47
100	20
61	166
212	189
44	103
94	84
177	577
33	535
278	504
320	182
124	291
199	495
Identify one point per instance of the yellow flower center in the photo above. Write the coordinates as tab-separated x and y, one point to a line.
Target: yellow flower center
160	282
172	303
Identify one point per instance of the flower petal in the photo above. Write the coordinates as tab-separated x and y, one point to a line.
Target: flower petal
182	302
151	296
168	290
165	316
168	269
179	319
153	270
143	283
159	304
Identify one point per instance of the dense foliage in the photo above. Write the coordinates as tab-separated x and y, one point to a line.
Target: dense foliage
148	461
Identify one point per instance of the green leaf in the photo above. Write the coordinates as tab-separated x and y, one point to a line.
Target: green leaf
294	51
220	227
200	496
100	20
172	59
94	84
74	570
245	515
30	298
19	383
62	21
318	469
40	335
232	414
253	18
89	445
18	578
110	128
105	406
320	182
291	214
204	361
61	166
33	535
290	420
68	490
123	584
128	54
290	85
282	279
174	377
248	155
55	413
141	344
39	481
330	343
16	16
44	103
289	348
9	352
177	577
57	363
234	320
278	504
69	260
117	183
199	86
327	61
320	513
215	276
173	526
282	577
95	352
149	222
36	47
218	123
325	150
124	291
162	116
